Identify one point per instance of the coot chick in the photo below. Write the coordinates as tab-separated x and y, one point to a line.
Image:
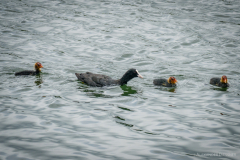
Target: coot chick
220	82
37	67
99	80
170	82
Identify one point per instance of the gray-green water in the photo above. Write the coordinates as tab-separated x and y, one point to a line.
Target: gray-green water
54	116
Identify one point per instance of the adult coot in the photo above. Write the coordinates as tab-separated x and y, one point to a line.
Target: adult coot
220	82
99	80
37	67
170	82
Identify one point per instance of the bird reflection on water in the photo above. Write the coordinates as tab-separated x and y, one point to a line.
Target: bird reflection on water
91	91
127	90
167	89
220	89
39	80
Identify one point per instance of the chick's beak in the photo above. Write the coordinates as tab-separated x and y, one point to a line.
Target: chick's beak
41	66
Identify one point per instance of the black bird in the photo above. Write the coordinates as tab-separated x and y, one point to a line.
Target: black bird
99	80
220	82
37	67
170	82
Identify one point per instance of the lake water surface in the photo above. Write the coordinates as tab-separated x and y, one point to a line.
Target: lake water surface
54	116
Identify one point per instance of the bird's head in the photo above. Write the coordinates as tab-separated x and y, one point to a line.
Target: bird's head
133	73
172	80
224	79
38	65
130	74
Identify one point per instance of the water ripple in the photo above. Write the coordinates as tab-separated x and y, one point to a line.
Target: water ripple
54	116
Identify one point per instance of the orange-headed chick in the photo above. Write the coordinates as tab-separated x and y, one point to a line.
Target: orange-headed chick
37	67
220	82
170	82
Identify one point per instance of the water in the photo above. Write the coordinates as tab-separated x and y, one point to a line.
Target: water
54	116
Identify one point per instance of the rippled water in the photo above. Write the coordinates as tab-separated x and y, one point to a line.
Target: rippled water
54	116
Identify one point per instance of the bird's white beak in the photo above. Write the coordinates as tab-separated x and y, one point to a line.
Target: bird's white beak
139	75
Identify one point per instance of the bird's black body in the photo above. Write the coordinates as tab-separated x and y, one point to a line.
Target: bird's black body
29	72
217	82
163	82
95	80
98	80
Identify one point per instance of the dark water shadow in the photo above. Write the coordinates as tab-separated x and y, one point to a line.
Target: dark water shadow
122	121
126	109
125	124
127	90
